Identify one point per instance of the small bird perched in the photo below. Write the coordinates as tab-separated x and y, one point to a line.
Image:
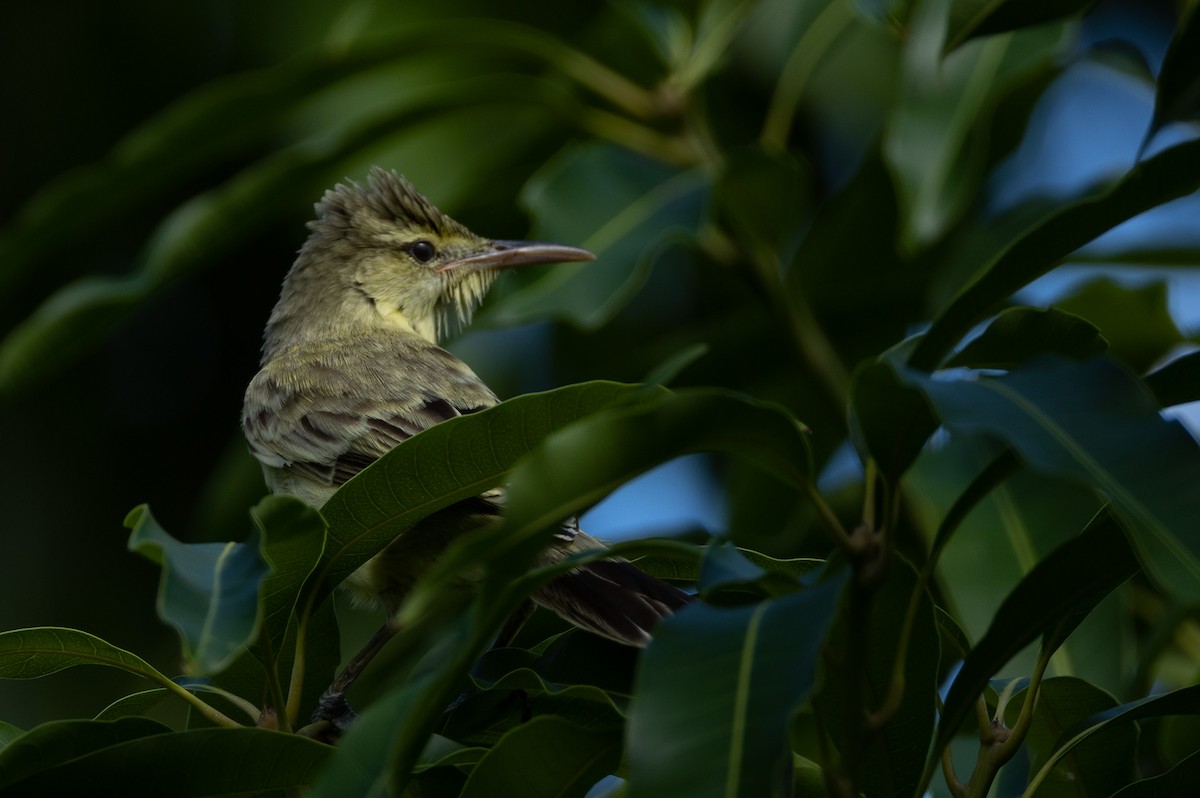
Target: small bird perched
351	368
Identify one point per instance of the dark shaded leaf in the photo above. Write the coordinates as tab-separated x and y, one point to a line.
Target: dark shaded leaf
1018	335
971	18
205	762
1178	382
890	421
1063	585
631	208
1185	701
554	483
1094	423
548	757
1136	322
895	751
938	175
1097	766
59	743
1178	96
457	459
762	199
293	539
1170	174
718	724
1178	782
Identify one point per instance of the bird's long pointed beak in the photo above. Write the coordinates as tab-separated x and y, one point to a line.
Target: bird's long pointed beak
504	254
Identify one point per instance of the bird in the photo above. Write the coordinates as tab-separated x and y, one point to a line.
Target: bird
351	368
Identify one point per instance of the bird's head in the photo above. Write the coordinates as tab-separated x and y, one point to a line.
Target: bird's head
381	253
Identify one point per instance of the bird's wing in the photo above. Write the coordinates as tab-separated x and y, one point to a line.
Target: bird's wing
326	412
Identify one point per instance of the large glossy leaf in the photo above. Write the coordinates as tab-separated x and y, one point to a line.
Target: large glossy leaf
1104	762
992	530
1168	175
554	482
762	199
1178	97
293	540
1018	335
717	724
1185	701
1049	600
457	459
1178	382
893	754
1175	783
548	757
8	733
623	207
890	421
58	743
206	762
936	142
1136	322
207	591
549	484
37	652
1095	423
971	18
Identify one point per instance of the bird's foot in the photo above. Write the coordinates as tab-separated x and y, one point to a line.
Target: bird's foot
333	716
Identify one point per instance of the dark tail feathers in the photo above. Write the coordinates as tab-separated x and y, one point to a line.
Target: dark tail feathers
614	599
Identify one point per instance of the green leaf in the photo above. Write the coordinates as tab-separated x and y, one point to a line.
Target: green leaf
8	733
293	540
1178	96
971	18
1060	588
1009	519
1136	322
890	421
762	199
457	459
936	142
621	206
666	371
208	591
554	482
895	752
1185	701
1095	423
59	743
718	724
1170	174
41	651
1018	335
484	717
365	759
204	762
134	704
547	757
1178	382
1103	762
1175	783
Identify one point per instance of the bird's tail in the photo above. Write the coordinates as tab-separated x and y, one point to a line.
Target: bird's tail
614	599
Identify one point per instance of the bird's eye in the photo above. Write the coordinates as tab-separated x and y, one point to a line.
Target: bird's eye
423	251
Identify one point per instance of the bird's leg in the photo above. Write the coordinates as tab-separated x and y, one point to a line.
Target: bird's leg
513	625
332	706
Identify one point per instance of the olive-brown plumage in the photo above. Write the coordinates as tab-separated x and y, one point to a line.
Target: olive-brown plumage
351	368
